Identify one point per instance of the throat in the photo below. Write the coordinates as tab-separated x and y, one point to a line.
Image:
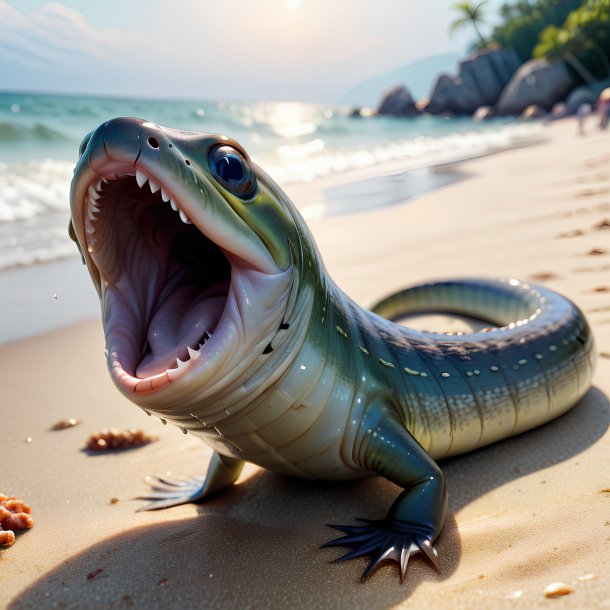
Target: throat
180	327
168	281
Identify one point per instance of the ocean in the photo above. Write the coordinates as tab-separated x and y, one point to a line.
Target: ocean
294	142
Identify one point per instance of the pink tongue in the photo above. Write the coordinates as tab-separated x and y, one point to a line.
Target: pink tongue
178	323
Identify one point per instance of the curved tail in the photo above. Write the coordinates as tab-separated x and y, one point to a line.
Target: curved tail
498	302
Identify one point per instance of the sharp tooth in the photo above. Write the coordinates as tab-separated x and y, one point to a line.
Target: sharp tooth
93	194
164	195
193	353
173	204
104	181
184	218
154	187
98	185
206	336
141	178
180	363
200	345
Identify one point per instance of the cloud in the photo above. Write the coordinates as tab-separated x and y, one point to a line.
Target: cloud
56	47
222	49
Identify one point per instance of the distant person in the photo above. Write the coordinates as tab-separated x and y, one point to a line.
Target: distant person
603	108
584	110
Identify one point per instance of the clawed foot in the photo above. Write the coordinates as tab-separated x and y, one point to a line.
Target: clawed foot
384	541
168	492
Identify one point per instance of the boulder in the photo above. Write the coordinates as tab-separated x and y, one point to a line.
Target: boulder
480	81
532	112
537	82
398	102
580	96
483	113
559	111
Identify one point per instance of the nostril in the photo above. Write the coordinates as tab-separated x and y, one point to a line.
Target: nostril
153	142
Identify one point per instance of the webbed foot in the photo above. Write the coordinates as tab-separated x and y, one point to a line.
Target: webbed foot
384	541
222	473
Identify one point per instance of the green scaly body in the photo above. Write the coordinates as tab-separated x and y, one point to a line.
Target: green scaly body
290	373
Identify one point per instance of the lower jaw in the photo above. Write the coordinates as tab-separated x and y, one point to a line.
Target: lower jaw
124	359
130	384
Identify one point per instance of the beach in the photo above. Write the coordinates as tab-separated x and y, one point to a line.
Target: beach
523	513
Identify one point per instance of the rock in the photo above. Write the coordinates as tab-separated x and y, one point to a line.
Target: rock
483	113
532	112
480	81
559	110
398	102
537	82
361	113
580	96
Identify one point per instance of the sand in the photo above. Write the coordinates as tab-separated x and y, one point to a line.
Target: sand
523	513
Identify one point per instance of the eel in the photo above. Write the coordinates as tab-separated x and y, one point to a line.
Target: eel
220	318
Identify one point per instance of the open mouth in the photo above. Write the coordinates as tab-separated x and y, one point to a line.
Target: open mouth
164	283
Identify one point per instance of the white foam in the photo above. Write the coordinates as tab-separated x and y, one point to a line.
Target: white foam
34	212
34	195
304	162
33	188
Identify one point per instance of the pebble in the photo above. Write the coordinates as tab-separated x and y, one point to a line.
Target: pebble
64	424
557	589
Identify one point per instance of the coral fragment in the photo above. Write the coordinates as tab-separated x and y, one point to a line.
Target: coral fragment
113	439
14	515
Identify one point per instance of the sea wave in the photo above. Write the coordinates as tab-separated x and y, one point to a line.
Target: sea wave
33	188
316	158
11	132
34	212
293	142
34	195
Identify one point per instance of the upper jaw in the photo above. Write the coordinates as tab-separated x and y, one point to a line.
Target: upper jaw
121	148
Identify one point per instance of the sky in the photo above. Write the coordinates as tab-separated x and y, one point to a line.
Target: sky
305	50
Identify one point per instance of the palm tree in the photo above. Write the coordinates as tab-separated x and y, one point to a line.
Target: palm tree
470	13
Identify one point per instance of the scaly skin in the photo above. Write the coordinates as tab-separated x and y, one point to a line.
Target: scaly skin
297	377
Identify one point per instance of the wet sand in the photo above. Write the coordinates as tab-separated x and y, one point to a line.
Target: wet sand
523	513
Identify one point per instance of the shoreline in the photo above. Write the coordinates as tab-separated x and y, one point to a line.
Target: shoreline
44	296
531	213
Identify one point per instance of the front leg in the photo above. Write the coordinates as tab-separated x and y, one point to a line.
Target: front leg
416	518
223	471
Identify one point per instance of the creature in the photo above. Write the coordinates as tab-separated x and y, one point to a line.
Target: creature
220	318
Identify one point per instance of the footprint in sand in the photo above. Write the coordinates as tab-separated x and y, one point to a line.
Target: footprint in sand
568	234
543	276
601	226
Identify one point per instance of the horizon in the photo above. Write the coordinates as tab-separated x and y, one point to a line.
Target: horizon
75	48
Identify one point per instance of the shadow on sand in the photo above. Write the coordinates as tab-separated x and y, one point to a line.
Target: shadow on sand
256	545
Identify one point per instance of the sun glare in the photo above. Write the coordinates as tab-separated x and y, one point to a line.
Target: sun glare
294	5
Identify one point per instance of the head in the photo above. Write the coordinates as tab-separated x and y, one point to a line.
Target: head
194	251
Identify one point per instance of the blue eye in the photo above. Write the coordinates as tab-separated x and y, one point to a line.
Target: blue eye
232	170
